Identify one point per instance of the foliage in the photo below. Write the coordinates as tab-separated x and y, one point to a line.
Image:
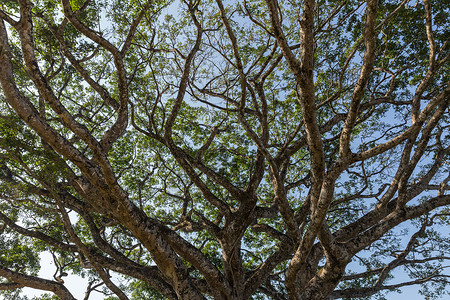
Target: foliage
227	150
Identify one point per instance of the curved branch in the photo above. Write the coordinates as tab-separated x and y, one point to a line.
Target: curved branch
22	280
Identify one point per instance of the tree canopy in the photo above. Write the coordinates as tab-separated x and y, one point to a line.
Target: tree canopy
225	149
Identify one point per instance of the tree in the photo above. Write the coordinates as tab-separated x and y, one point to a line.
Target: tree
238	150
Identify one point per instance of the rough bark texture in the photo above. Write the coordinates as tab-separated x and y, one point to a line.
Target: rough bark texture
236	150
